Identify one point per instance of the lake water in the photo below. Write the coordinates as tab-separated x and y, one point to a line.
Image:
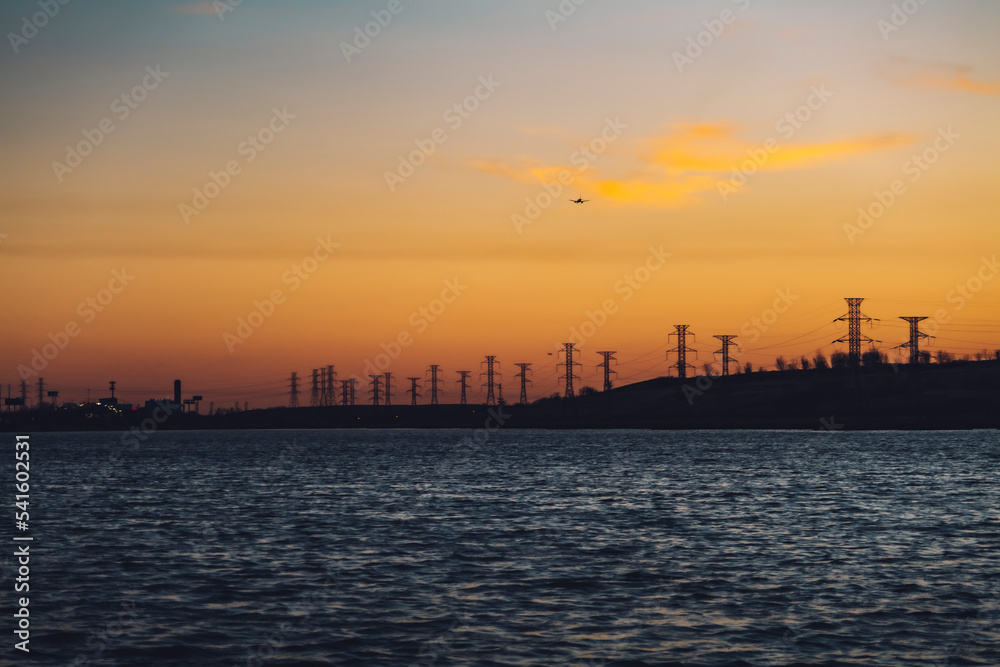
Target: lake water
411	547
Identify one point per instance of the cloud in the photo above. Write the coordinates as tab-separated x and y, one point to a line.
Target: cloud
939	76
673	169
197	8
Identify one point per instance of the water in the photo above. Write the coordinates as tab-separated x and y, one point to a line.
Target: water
517	548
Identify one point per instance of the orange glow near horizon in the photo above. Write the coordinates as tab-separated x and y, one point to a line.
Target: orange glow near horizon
707	204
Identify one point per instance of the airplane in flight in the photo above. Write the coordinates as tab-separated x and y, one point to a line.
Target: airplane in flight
579	201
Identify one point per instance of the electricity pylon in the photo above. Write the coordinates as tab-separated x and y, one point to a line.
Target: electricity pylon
347	392
491	374
682	349
525	368
387	389
376	379
606	365
854	338
314	394
567	352
727	341
293	391
464	380
434	384
915	335
414	390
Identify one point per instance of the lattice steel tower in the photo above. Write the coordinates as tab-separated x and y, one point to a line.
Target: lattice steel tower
606	365
727	341
567	351
915	335
464	380
347	392
376	379
293	391
387	390
414	390
682	349
854	338
525	369
434	384
491	374
314	394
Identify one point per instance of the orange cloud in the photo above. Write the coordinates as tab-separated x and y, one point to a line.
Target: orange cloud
941	76
692	159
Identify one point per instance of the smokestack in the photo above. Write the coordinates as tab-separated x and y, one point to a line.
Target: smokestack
177	391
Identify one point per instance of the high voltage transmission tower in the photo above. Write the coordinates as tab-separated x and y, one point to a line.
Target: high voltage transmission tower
329	394
915	335
567	352
491	374
682	349
387	390
293	391
314	394
727	341
525	369
414	390
347	392
854	338
606	365
434	383
464	380
376	379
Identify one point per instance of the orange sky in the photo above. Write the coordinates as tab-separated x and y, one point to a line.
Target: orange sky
223	151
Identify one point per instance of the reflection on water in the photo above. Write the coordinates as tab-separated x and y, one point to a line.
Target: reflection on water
529	548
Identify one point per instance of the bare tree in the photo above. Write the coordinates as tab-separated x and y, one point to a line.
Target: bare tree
819	361
804	363
780	363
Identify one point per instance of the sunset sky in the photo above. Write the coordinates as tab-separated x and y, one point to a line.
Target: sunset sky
179	163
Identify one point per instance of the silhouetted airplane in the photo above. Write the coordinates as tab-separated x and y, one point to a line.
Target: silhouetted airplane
579	201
